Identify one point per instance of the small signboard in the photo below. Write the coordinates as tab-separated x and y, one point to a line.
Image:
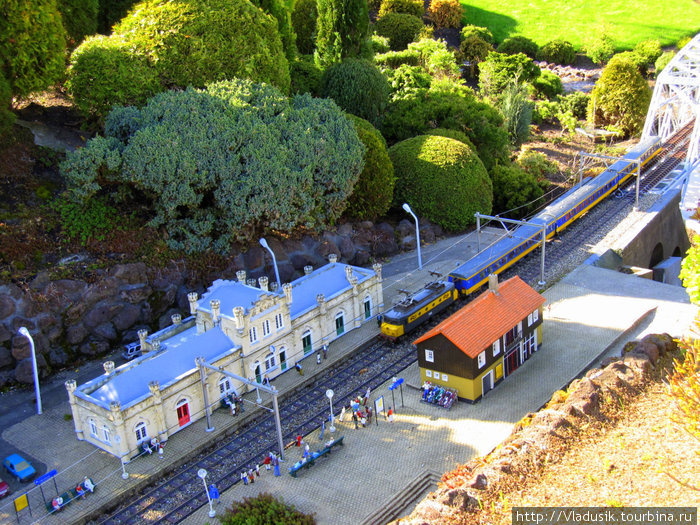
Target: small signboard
378	407
21	503
45	477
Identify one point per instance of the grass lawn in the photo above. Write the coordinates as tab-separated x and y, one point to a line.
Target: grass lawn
627	22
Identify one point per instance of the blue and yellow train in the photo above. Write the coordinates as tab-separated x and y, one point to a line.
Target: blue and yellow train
469	277
556	217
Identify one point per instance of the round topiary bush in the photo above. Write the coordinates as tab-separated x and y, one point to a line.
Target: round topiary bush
474	49
481	32
452	134
649	51
409	7
518	44
557	52
515	191
442	179
306	76
401	29
548	84
304	23
446	13
358	87
184	43
374	190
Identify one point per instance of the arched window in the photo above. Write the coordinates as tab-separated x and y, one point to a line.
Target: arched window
141	432
368	307
306	342
225	386
106	436
283	358
93	428
269	361
339	323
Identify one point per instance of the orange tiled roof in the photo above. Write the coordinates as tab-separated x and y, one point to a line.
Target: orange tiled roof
489	316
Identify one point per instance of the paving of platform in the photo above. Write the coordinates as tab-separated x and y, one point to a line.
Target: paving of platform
589	312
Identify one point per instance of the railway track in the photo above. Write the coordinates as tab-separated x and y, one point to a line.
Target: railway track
180	494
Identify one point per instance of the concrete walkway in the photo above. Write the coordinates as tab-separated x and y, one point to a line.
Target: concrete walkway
590	313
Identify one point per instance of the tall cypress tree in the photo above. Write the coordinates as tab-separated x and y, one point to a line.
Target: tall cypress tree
341	29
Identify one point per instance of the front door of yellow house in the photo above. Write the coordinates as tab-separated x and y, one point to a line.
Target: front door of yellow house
183	413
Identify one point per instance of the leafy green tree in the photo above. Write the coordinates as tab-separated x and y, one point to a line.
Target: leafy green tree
264	509
223	164
600	46
620	97
409	7
79	19
458	109
279	11
442	179
498	69
358	87
304	22
515	191
401	29
183	43
374	190
341	30
32	45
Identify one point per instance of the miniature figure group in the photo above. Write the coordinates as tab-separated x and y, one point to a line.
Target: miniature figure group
271	461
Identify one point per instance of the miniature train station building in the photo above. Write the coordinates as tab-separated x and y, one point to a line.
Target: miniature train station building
247	330
483	343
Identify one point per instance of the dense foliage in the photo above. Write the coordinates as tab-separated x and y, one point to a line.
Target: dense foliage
436	58
341	30
474	49
182	43
409	7
406	80
690	271
599	47
451	134
111	12
620	97
223	164
445	13
306	76
515	191
264	509
497	70
374	190
537	165
358	87
400	28
279	11
548	84
557	52
441	179
423	109
395	59
663	61
576	102
304	23
519	44
649	50
481	32
79	19
32	45
7	117
516	109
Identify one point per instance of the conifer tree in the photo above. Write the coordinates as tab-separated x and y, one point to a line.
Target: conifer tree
341	30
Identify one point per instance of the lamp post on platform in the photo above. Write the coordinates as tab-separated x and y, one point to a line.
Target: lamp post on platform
329	395
408	209
23	331
202	473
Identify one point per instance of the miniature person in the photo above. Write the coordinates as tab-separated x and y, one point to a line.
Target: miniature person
298	440
276	465
318	358
390	415
214	493
323	429
379	320
57	503
160	450
306	451
267	461
299	369
342	415
354	419
367	396
239	400
257	470
244	477
266	380
80	491
251	476
88	484
325	351
363	421
369	415
233	408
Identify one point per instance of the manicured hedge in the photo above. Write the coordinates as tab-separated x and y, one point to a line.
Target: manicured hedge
401	29
557	52
441	179
409	7
518	44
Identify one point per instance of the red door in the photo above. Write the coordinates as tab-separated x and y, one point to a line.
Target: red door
183	414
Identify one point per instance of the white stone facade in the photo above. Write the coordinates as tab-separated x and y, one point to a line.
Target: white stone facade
247	330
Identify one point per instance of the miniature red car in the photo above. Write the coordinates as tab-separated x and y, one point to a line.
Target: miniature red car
4	488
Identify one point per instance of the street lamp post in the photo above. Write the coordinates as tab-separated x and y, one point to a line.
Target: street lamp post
329	395
23	331
264	244
202	473
408	209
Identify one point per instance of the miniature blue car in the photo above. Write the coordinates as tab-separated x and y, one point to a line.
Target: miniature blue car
19	467
131	351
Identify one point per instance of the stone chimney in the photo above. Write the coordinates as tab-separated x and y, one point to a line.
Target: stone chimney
192	298
252	282
287	292
274	286
240	275
215	304
348	273
238	318
263	281
493	283
109	367
377	267
176	319
332	258
155	345
308	269
143	333
321	300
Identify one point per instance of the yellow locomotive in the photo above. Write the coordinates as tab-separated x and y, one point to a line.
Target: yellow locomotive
417	308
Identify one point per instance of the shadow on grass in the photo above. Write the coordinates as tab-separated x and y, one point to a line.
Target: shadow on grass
500	25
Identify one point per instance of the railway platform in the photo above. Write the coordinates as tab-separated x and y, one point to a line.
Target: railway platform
381	470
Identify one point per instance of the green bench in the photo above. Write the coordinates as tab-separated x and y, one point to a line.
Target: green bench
310	460
69	496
